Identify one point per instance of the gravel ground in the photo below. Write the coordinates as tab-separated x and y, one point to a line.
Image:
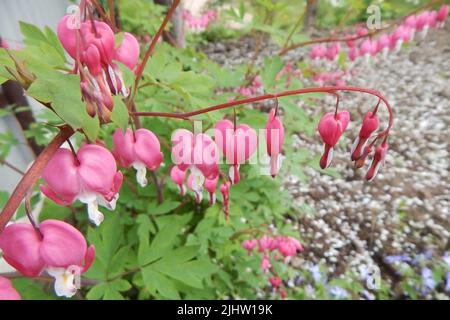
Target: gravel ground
405	210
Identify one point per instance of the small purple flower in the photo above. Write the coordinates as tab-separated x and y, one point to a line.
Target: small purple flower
428	282
397	259
315	271
338	292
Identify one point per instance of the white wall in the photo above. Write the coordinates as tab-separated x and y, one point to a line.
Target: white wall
40	13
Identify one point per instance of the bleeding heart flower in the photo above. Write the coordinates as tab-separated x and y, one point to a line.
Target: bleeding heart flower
58	248
128	51
275	281
333	51
140	149
90	177
178	177
265	264
198	153
7	291
210	186
378	161
318	52
289	246
442	15
331	127
237	144
249	245
274	140
225	191
198	191
370	125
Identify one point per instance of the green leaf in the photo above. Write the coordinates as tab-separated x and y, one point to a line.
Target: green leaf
271	68
119	114
165	207
161	243
155	281
31	33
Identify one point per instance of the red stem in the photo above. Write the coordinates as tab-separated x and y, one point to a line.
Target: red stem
32	175
331	90
151	48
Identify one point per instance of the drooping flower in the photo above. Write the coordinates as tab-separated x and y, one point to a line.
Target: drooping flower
378	161
140	149
237	144
265	264
225	191
333	51
318	52
128	51
331	127
275	282
274	140
178	177
250	245
57	248
91	177
210	186
368	48
198	190
198	153
289	246
370	125
7	291
442	15
92	45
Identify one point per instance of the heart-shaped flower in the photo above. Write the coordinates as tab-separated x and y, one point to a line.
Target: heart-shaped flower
58	248
91	177
237	144
331	127
140	149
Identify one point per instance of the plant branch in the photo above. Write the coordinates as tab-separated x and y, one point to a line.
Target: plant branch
330	90
11	166
140	69
32	175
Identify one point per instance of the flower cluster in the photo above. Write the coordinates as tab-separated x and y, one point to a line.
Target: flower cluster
333	124
55	247
336	78
199	24
279	247
92	45
323	52
404	33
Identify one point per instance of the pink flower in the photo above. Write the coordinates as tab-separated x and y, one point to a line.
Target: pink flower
267	243
4	44
370	125
90	177
442	15
331	127
265	264
178	177
7	291
225	191
353	53
274	140
249	245
318	52
199	153
275	281
333	51
237	144
61	251
198	191
140	149
128	51
368	48
378	161
289	246
210	186
361	32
